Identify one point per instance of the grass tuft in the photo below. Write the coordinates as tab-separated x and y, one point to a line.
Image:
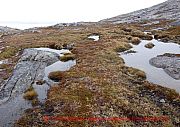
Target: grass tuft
123	47
8	52
67	57
30	94
56	76
135	40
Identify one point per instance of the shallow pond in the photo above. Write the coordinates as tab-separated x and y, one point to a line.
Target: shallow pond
141	58
57	66
94	37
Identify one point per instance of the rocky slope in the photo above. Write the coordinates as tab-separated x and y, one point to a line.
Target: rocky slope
8	30
167	10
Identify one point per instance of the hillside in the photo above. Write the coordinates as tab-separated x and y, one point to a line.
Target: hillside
169	10
78	75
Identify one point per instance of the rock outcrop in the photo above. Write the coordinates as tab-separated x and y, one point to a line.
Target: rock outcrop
169	62
30	68
7	30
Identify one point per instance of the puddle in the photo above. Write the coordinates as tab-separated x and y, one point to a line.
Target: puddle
60	52
13	109
8	116
141	58
57	66
94	37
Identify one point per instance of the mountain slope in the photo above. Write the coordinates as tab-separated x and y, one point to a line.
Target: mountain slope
8	30
167	10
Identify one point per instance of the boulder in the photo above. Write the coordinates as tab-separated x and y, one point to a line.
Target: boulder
169	62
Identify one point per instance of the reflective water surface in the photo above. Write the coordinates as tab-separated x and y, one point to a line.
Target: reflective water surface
141	58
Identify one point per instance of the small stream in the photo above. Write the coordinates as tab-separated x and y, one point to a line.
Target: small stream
141	58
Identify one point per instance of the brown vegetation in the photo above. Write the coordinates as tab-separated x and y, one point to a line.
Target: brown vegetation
140	34
30	94
100	85
122	47
67	57
135	40
56	76
149	45
8	52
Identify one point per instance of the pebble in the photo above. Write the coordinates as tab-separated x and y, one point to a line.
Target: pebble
162	101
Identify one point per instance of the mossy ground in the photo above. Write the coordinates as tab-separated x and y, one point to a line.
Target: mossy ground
100	85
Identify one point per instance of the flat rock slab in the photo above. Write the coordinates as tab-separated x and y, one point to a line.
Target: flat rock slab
169	62
29	69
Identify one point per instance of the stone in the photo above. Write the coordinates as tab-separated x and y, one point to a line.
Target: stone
29	69
162	101
169	62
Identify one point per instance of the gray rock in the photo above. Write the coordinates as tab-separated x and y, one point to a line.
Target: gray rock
169	62
29	69
7	30
176	23
162	101
169	9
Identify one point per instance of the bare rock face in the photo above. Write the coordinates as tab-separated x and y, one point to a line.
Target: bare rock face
166	10
169	62
29	69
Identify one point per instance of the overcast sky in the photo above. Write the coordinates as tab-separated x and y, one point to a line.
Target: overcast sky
56	11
